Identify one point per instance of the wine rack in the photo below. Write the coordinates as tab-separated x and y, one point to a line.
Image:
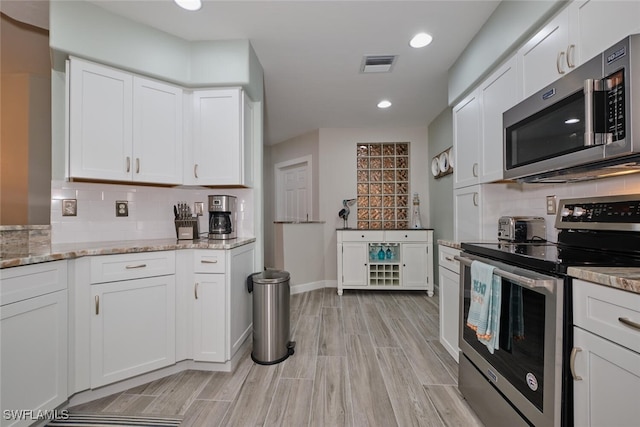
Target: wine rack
384	264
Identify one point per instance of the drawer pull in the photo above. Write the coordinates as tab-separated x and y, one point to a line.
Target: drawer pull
629	323
97	300
195	290
448	258
206	261
130	267
572	363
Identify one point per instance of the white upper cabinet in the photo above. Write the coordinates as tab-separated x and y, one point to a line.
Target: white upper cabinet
501	91
587	32
222	144
477	127
123	127
544	56
157	132
466	140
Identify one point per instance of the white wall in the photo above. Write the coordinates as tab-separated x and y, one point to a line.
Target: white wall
337	176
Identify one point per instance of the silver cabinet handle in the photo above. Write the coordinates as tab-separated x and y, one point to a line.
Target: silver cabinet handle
448	258
97	301
130	267
559	61
128	164
475	170
629	322
475	199
572	363
206	261
195	290
195	170
571	52
137	164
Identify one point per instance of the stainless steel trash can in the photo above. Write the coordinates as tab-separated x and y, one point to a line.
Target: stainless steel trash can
271	316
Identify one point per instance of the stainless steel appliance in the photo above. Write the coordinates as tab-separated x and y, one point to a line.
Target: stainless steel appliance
527	381
222	217
582	125
522	228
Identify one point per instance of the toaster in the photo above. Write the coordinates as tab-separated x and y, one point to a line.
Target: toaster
520	229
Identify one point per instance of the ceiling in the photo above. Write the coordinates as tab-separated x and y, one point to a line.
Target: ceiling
311	52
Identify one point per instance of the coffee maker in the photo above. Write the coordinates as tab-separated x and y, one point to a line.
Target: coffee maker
222	217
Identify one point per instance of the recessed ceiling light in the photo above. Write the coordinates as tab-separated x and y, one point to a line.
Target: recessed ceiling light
189	4
420	40
384	104
571	121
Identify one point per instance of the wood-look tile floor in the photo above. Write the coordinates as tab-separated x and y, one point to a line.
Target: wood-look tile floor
361	359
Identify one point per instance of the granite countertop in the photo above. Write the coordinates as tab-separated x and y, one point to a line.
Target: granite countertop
76	250
625	278
449	243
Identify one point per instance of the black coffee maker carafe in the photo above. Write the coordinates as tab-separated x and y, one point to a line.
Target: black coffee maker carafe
222	217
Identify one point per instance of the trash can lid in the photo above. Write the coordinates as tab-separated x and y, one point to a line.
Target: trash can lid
270	276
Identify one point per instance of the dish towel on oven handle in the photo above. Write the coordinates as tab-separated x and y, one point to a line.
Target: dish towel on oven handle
484	309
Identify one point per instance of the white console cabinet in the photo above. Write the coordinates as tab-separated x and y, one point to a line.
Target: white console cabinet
606	355
385	259
33	327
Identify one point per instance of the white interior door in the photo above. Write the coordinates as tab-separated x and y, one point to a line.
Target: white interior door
294	190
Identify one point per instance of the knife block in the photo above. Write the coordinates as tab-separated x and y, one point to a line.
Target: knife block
187	229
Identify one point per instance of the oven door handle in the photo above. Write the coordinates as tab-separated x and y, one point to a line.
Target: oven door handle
527	282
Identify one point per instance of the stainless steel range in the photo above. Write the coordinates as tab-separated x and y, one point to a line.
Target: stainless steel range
527	379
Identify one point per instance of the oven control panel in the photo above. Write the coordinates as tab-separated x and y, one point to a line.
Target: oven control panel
611	213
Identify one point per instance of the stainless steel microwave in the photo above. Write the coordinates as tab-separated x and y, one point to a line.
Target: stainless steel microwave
581	126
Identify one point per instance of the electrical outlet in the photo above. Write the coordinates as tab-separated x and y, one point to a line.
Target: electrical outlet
122	208
69	207
551	205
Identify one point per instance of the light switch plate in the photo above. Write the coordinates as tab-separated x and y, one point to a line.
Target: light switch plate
198	208
551	205
122	208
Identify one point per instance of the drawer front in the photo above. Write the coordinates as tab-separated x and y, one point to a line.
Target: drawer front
446	258
611	313
20	283
362	236
208	261
407	236
112	268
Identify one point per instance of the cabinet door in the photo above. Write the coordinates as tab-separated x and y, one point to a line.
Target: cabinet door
100	122
499	93
467	214
589	37
217	148
157	132
544	55
132	328
449	310
241	265
415	266
354	264
33	355
209	325
607	393
466	141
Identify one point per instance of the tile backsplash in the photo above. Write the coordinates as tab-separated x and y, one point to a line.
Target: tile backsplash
150	211
530	199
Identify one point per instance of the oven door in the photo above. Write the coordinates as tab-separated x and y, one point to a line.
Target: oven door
527	366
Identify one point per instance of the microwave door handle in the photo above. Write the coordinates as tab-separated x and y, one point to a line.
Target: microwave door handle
593	136
515	278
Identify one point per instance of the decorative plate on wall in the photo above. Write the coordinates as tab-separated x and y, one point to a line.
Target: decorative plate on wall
435	167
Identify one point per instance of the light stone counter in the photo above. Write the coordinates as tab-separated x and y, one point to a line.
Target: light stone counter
449	243
50	252
625	278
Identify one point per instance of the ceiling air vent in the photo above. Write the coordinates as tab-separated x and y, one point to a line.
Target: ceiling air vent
377	63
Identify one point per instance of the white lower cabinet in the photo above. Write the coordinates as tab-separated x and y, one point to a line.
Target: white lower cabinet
385	259
606	356
209	338
467	214
449	297
33	329
132	328
133	315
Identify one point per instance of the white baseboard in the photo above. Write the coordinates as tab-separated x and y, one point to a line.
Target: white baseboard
312	286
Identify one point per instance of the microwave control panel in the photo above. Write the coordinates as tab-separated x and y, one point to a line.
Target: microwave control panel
615	107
